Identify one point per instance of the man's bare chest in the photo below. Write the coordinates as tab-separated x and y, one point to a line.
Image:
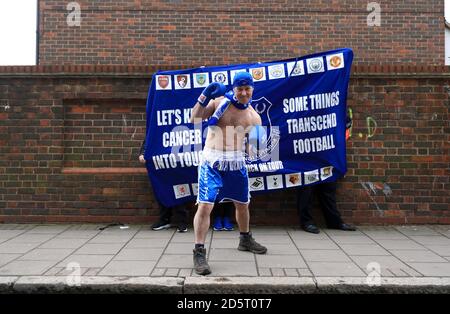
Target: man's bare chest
235	117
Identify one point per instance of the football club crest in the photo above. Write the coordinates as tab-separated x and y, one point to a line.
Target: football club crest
163	82
182	81
258	74
220	77
293	179
315	65
201	80
181	190
276	71
335	61
326	172
195	188
295	68
256	184
274	182
311	176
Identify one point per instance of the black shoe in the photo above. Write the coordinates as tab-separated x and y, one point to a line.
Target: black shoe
346	227
182	227
247	243
201	266
160	225
311	228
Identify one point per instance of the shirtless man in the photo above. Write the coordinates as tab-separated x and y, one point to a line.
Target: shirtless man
222	174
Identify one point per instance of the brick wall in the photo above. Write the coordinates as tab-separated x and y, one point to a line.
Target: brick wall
206	32
70	135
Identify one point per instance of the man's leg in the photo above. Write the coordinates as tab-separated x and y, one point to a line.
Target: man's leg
201	222
304	204
201	226
246	241
181	211
165	214
326	193
327	198
242	216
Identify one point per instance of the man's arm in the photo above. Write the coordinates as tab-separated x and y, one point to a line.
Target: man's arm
201	113
204	107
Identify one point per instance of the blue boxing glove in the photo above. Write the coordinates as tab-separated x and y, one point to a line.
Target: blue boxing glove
235	102
223	106
212	91
257	136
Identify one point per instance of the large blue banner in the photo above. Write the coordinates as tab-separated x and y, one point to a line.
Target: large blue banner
302	104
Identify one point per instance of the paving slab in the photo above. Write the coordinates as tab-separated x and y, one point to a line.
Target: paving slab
147	243
282	249
128	268
442	250
316	244
233	268
24	268
46	255
31	238
431	240
400	245
179	261
52	229
328	269
280	261
325	256
99	248
416	256
416	230
63	243
6	258
225	255
139	254
17	248
364	249
86	260
432	269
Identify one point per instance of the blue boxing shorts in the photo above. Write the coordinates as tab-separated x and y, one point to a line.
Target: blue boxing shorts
222	176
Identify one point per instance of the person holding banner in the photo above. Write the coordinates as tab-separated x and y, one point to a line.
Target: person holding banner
326	193
222	174
165	213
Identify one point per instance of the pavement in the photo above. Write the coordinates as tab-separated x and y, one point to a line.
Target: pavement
81	258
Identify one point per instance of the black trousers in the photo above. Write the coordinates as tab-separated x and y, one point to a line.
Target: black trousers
179	213
223	209
326	193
